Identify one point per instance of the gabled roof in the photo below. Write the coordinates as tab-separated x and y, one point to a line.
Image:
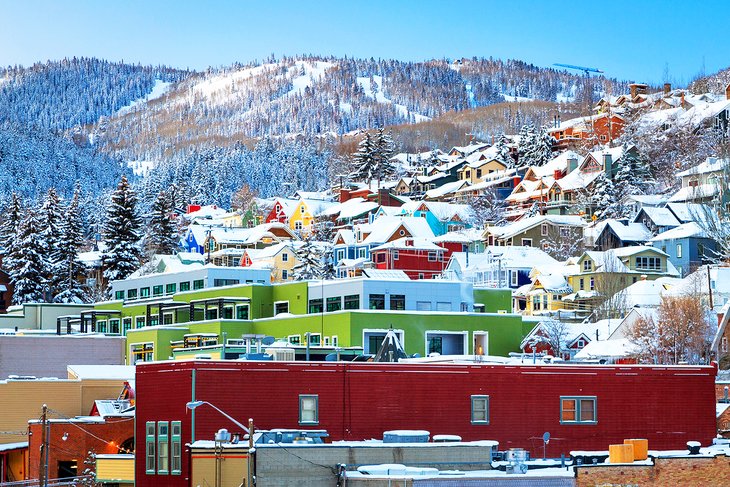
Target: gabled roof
346	236
685	230
382	229
445	189
662	217
408	243
631	232
688	212
441	210
525	224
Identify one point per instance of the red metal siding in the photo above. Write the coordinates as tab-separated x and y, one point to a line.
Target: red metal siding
666	405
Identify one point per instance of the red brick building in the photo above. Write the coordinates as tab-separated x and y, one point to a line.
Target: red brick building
583	407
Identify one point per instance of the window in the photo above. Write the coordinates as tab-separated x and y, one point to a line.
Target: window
397	301
315	339
131	294
295	339
335	340
377	301
139	321
564	232
126	324
423	305
199	284
380	257
587	265
167	319
185	286
176	443
527	242
578	410
315	305
284	274
297	225
334	304
352	301
308	409
679	251
395	255
648	263
170	288
225	282
723	344
301	210
433	256
479	409
281	307
101	326
242	312
144	292
593	284
513	278
119	295
163	452
544	229
157	290
284	257
150	455
479	173
362	253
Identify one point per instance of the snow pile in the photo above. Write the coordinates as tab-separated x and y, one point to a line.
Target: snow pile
158	90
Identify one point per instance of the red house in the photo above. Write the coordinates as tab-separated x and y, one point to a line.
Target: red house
281	211
419	258
584	407
596	129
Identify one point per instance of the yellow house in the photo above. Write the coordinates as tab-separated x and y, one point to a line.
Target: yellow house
473	172
305	213
600	275
280	258
115	469
544	295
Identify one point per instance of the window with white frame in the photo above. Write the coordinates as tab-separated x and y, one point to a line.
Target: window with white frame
284	257
544	229
513	278
578	410
308	409
479	409
679	250
281	307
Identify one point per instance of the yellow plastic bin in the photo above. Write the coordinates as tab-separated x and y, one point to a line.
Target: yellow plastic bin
641	448
621	453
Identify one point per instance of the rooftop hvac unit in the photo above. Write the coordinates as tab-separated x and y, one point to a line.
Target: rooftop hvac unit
516	458
281	354
406	436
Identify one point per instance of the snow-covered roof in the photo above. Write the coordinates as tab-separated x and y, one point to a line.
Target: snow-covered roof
554	283
468	149
525	224
643	293
661	216
101	372
208	211
693	193
456	237
442	210
384	227
445	189
409	243
351	208
685	230
631	232
598	349
689	212
325	195
710	165
557	163
701	112
346	235
383	274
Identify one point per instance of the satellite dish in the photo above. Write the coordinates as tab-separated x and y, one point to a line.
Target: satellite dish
268	340
546	437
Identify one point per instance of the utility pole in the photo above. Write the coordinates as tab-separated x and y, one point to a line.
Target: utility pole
43	471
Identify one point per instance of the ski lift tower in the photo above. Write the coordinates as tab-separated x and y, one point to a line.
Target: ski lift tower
586	71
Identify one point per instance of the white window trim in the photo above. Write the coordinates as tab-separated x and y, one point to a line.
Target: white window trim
280	302
484	334
316	410
486	409
465	338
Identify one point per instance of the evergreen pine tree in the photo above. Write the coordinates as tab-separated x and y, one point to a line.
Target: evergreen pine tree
364	163
121	233
27	274
51	221
309	264
9	227
633	175
161	234
328	262
604	197
384	149
503	152
67	266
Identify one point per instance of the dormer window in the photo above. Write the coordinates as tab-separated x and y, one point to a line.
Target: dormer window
587	265
544	229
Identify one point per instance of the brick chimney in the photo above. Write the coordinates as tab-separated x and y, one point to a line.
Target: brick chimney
667	88
727	92
632	90
344	195
608	165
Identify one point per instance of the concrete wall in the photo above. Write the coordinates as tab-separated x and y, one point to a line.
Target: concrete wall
315	466
48	356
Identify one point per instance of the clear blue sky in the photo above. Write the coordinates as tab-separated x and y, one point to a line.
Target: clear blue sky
629	40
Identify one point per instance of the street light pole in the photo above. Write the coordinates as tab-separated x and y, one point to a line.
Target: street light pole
250	430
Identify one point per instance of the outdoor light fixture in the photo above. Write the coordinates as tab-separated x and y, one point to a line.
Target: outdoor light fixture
65	436
194	404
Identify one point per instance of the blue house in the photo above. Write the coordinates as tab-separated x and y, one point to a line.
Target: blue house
687	245
441	217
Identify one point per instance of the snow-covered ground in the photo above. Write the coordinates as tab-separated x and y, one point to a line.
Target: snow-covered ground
141	168
517	98
311	74
159	89
374	91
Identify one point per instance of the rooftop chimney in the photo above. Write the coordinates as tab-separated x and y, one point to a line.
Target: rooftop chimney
727	92
608	164
632	90
572	164
667	88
